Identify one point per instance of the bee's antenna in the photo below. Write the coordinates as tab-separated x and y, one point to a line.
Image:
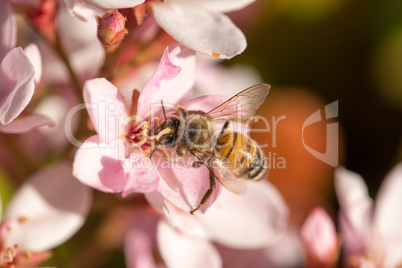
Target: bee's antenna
159	142
163	109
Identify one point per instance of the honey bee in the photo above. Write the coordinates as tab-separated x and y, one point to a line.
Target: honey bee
230	156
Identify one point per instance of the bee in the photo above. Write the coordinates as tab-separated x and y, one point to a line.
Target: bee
230	156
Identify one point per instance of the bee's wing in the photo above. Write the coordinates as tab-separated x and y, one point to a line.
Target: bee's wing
222	174
227	179
242	105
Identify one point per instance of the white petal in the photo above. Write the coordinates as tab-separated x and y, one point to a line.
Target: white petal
32	51
224	5
388	216
179	251
8	28
356	205
200	29
108	4
54	206
263	215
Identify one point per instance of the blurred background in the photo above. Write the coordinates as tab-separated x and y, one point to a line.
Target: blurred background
314	52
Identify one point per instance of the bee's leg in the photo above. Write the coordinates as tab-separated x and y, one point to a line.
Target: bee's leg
207	195
198	163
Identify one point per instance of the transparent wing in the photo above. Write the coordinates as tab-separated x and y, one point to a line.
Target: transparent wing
242	105
227	179
222	174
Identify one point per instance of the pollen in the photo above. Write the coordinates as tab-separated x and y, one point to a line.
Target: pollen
142	142
216	55
22	219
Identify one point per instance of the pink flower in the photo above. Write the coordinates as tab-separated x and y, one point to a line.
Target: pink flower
44	213
320	239
372	237
252	222
117	160
19	71
199	24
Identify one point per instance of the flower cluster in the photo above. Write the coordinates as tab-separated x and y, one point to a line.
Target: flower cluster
96	94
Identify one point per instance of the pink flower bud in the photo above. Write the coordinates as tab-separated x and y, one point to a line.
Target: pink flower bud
319	237
111	29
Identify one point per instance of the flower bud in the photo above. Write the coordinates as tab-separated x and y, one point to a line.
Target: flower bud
319	237
111	29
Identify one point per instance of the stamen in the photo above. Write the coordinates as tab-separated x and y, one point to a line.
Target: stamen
146	152
163	132
141	142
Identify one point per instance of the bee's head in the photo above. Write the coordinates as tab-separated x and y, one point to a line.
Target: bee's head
168	132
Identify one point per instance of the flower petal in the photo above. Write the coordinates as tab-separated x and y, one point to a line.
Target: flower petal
108	4
183	185
8	28
106	107
224	5
139	240
50	208
153	92
141	176
17	84
386	217
200	29
263	215
99	165
27	123
178	88
356	206
32	51
319	236
179	251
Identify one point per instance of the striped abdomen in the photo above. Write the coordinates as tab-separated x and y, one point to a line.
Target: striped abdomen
242	155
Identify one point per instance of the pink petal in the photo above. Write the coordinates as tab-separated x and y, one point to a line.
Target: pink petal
153	92
319	236
356	205
200	29
17	84
263	215
8	28
32	51
224	5
27	123
179	88
100	166
106	107
53	205
142	176
389	199
138	250
183	185
140	239
181	251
